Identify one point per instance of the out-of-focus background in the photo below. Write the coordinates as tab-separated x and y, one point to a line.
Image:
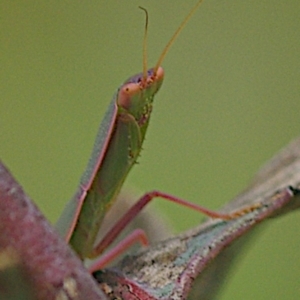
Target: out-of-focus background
230	101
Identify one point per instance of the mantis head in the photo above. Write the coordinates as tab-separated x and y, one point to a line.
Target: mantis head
137	93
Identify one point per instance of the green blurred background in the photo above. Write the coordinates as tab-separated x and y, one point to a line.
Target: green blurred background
229	102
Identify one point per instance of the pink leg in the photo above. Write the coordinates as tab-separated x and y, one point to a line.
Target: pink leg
134	237
143	201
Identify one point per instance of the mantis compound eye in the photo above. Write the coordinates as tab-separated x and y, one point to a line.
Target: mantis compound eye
126	92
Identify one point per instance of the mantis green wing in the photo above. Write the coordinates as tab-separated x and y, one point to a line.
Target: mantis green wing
68	219
116	149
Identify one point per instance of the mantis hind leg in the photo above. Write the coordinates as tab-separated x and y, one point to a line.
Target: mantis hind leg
138	236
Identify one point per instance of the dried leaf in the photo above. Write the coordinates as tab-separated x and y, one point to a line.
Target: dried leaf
168	269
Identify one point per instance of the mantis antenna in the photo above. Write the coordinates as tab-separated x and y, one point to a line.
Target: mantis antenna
145	67
175	35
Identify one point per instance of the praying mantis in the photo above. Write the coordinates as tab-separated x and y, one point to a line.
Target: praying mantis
117	147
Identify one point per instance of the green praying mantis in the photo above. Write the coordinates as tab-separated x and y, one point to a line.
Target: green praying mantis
117	147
